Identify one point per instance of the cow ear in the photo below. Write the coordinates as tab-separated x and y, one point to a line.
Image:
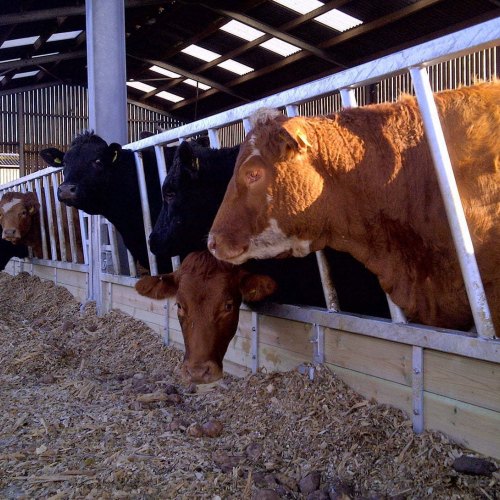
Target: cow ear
294	136
112	154
31	203
256	287
158	287
188	159
52	156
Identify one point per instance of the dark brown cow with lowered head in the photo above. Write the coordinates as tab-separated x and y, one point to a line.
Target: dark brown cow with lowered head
208	293
20	220
362	181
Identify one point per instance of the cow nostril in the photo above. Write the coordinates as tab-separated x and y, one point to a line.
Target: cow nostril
72	189
212	245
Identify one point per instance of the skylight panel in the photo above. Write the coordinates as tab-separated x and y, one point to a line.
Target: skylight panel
45	55
285	49
194	83
19	42
201	53
169	96
141	86
26	74
66	35
338	20
334	18
242	30
235	67
10	60
164	71
301	6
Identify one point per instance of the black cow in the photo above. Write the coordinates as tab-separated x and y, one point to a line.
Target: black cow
9	250
102	179
192	192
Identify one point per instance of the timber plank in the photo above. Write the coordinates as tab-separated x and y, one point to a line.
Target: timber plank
464	379
380	358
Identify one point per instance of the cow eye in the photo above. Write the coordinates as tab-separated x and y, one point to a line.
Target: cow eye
228	306
168	196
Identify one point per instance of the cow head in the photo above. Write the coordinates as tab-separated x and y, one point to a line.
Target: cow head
17	211
87	171
269	202
192	192
208	295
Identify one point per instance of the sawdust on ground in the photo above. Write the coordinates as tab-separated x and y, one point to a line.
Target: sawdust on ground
93	407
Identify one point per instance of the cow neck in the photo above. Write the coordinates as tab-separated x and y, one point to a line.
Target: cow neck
378	232
123	203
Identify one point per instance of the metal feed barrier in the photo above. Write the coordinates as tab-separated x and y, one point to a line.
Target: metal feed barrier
481	345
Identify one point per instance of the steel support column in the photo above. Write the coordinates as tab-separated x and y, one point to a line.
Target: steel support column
106	69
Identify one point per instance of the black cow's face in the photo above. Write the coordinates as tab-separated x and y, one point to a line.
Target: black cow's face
188	207
87	171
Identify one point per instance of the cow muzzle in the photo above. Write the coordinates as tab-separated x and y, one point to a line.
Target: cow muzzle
11	235
224	251
202	373
66	192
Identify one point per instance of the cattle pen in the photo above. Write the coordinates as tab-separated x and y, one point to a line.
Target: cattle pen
445	380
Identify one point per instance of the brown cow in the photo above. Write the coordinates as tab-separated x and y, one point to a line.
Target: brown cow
362	181
19	217
208	293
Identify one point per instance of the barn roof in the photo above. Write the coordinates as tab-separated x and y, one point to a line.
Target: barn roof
192	59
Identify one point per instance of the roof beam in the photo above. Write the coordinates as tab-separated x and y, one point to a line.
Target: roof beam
44	14
37	61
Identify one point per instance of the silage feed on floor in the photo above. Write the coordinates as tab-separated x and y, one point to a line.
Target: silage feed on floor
93	407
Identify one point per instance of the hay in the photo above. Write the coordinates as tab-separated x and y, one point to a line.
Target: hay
94	408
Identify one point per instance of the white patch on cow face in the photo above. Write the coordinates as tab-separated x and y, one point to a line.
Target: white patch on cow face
254	152
10	204
272	242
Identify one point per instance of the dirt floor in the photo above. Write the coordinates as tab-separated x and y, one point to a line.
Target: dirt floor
94	408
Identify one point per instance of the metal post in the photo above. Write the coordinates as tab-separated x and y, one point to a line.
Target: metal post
255	342
452	203
107	94
417	385
146	216
214	138
20	134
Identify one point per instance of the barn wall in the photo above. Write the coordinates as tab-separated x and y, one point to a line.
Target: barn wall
52	116
457	380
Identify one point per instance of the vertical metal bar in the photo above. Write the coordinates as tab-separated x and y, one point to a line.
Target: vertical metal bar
20	134
131	265
50	217
160	162
214	138
71	233
84	231
247	126
95	283
417	385
113	242
318	344
255	342
453	205
176	262
59	218
148	228
166	327
348	98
